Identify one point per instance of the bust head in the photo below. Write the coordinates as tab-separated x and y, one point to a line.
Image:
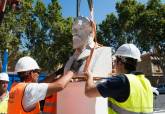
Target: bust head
81	31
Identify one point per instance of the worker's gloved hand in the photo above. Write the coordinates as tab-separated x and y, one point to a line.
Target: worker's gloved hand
76	65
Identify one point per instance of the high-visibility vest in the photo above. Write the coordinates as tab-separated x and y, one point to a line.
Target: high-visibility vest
140	100
15	100
4	105
50	105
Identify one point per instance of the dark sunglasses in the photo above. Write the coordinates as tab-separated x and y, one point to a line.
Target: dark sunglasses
36	71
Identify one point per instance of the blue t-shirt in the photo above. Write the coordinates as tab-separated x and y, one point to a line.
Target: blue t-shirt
116	87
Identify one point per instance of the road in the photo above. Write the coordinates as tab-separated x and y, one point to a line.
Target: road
159	104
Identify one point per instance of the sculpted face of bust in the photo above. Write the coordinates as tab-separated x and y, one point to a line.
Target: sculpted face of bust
81	31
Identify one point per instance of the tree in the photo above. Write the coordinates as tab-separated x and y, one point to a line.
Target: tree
39	31
143	25
48	36
151	27
121	26
109	32
10	31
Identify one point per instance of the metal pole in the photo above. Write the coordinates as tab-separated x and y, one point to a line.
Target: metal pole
78	8
5	61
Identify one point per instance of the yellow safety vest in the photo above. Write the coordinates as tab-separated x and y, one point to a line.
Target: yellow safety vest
4	104
140	100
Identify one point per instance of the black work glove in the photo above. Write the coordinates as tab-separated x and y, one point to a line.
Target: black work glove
76	65
60	71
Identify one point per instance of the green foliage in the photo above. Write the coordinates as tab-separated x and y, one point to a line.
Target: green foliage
121	26
110	31
49	36
39	31
151	26
136	23
10	30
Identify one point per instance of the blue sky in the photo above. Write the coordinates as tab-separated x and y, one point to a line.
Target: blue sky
101	8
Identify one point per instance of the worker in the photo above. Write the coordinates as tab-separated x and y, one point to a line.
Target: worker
4	94
129	92
24	97
95	58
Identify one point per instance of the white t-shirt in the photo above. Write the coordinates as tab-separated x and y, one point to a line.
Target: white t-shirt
34	92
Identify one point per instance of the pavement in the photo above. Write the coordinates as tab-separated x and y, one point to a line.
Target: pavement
159	104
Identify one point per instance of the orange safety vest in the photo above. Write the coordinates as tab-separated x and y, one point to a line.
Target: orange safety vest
50	106
15	100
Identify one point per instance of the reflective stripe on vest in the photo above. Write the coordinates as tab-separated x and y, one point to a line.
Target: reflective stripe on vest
15	100
140	100
50	105
123	111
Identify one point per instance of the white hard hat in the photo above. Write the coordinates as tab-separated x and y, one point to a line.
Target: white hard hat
4	76
129	50
26	64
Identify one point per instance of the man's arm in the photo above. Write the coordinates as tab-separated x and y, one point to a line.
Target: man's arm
90	86
116	87
35	92
60	83
52	77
